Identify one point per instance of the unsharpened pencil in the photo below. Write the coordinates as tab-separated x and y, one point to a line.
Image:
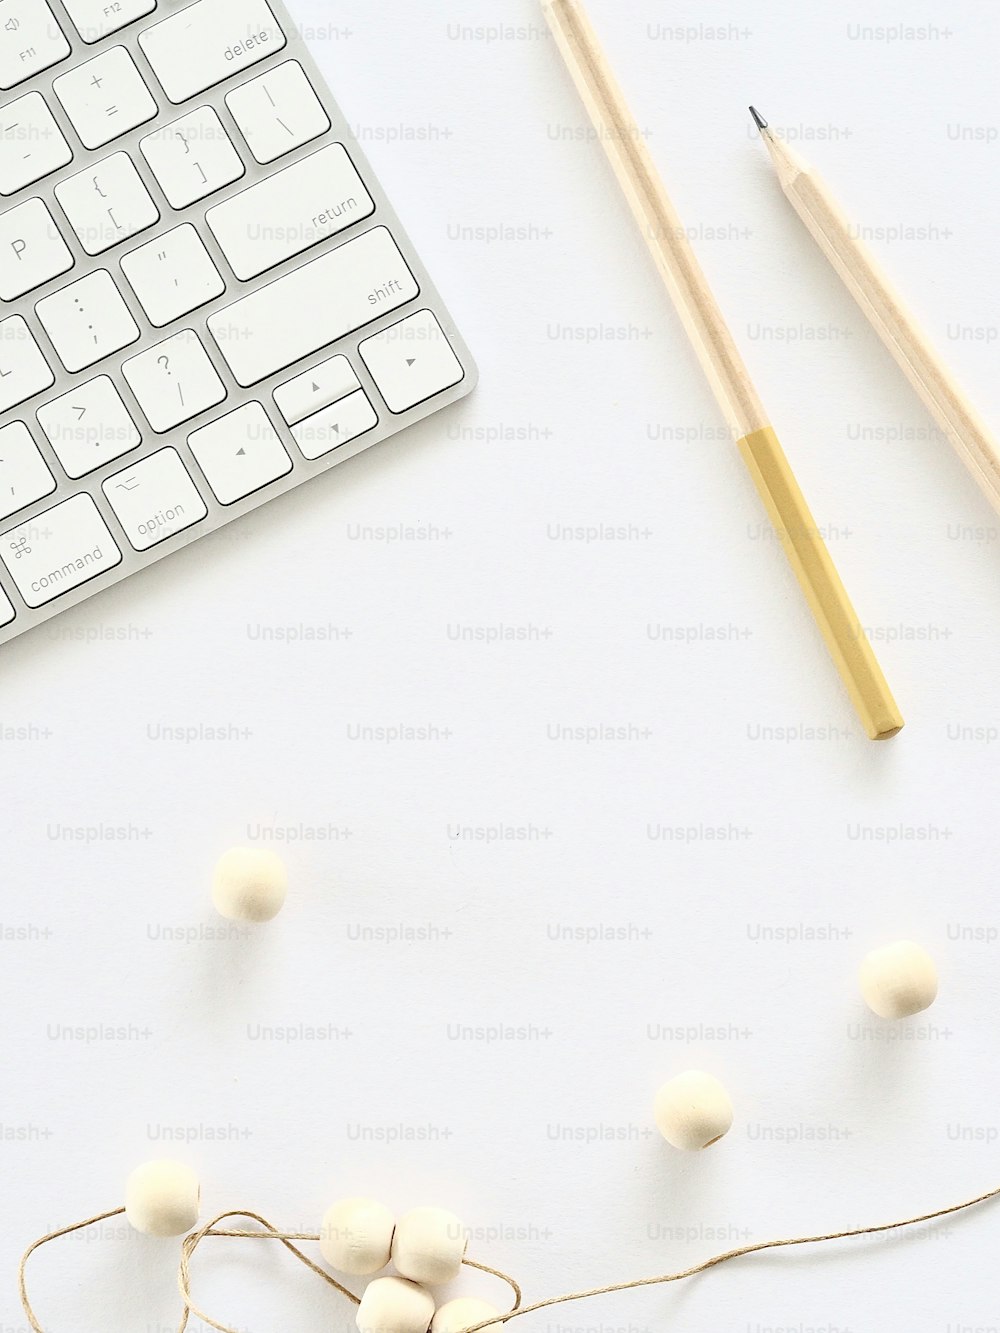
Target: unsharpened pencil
897	328
678	266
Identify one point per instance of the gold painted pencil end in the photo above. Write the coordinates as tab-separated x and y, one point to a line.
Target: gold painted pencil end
888	734
807	553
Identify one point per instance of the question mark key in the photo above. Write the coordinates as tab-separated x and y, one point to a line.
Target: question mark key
174	381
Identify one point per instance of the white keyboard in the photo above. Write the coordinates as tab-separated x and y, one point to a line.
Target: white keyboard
205	297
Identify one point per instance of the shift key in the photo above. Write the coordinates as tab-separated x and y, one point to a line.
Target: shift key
209	41
314	306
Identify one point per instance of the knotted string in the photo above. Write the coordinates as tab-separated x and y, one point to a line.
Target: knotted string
288	1239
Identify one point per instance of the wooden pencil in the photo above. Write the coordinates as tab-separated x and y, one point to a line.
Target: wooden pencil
869	286
678	266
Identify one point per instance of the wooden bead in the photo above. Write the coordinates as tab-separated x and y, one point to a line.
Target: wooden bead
899	980
393	1305
429	1246
249	885
693	1111
466	1312
356	1236
163	1198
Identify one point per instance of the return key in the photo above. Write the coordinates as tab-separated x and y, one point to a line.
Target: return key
290	212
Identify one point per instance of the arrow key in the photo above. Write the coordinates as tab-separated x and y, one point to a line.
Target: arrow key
240	453
317	388
412	361
336	425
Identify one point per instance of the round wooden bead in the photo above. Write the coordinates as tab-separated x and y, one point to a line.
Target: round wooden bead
693	1111
393	1305
899	980
356	1236
250	884
163	1198
466	1312
429	1246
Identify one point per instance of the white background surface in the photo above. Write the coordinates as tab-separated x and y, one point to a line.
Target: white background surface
546	1138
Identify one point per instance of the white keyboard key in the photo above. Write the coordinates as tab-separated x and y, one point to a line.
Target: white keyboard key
6	610
174	381
105	98
290	211
278	111
87	321
30	40
95	19
107	203
173	275
317	304
24	476
210	41
23	369
193	157
32	251
412	361
58	550
336	425
31	143
155	499
317	388
88	427
240	453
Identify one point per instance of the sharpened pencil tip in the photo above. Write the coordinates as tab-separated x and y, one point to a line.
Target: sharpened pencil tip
759	120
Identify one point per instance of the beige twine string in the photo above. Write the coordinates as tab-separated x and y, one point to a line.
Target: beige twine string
44	1240
212	1228
730	1254
192	1242
504	1277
